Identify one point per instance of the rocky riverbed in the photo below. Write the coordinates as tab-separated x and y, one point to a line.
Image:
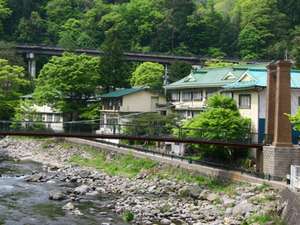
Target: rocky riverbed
142	199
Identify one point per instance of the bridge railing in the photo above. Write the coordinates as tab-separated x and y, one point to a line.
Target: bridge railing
94	128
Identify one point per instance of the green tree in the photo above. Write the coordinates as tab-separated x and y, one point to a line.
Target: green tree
59	11
91	22
209	31
291	9
32	30
67	82
26	117
179	70
4	13
295	120
172	33
12	86
258	31
148	74
114	69
8	52
142	19
72	36
221	121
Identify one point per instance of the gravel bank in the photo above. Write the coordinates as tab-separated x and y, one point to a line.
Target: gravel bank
151	201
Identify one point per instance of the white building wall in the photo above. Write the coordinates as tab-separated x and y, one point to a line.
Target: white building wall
252	112
45	111
141	102
263	102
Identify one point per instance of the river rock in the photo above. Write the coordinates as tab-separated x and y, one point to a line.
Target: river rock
242	208
57	195
195	191
227	202
165	222
190	191
212	197
35	178
82	190
77	212
69	206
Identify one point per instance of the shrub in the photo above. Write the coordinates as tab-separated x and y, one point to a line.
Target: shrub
222	121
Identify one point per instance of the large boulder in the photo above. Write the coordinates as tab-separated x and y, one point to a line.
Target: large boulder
82	190
242	208
190	191
57	195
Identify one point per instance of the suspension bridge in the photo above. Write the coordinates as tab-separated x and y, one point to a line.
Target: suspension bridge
132	132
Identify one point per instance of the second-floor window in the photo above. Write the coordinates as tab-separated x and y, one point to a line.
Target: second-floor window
245	101
175	96
186	96
197	96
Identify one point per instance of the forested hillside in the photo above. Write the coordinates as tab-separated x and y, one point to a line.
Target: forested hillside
249	29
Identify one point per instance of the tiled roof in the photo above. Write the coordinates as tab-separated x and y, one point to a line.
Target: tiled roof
122	92
213	77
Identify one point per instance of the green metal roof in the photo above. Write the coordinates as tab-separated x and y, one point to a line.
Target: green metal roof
122	92
212	77
259	79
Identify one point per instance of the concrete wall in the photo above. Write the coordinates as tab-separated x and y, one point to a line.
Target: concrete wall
141	102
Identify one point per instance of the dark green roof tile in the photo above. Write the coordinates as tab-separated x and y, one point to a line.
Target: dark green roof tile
122	92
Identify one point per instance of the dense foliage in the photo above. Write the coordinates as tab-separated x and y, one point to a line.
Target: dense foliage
148	74
251	29
68	82
12	85
221	121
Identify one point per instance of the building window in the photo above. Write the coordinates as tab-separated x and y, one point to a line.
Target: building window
56	118
299	101
175	96
49	118
186	96
197	96
245	101
228	94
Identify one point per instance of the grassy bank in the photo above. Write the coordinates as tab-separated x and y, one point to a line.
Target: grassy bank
121	165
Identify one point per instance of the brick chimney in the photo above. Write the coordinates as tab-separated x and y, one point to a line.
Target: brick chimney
282	125
271	98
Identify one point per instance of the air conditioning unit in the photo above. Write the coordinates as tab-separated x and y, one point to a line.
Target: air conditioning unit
295	178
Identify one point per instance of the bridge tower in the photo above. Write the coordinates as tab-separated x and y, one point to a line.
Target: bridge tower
278	157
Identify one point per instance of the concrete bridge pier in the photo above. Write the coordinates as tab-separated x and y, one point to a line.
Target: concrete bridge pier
31	64
278	157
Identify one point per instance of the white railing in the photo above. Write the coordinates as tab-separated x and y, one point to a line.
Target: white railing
295	178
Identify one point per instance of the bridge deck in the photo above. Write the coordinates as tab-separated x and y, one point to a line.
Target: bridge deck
130	56
135	138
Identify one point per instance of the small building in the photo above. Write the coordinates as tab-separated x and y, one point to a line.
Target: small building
245	83
52	118
249	91
119	105
189	94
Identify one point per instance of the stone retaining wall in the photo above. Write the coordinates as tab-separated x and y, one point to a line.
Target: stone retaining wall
278	160
291	211
203	170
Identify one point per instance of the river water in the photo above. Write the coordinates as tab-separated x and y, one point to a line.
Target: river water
23	203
